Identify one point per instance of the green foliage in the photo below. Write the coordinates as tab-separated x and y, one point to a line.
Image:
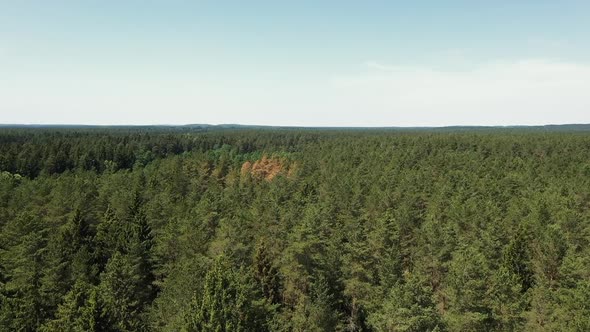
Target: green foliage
409	306
227	303
24	240
468	282
123	229
121	292
80	311
517	258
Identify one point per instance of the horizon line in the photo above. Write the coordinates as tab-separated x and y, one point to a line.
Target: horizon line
4	125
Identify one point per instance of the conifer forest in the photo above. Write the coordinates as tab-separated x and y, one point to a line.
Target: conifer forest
294	229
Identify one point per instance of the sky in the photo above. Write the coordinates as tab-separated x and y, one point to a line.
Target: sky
295	63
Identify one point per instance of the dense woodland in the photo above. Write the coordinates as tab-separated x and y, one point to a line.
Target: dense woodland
126	229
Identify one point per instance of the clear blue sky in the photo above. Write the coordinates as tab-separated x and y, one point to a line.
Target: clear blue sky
334	63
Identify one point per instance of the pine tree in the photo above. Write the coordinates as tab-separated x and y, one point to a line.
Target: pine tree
266	274
120	292
227	303
139	248
80	311
24	240
69	257
408	307
468	281
517	257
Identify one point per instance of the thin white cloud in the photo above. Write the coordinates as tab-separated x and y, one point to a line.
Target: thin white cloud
520	92
496	93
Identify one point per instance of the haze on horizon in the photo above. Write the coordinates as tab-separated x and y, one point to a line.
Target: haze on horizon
374	63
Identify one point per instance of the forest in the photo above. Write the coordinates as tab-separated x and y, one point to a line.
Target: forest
294	229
